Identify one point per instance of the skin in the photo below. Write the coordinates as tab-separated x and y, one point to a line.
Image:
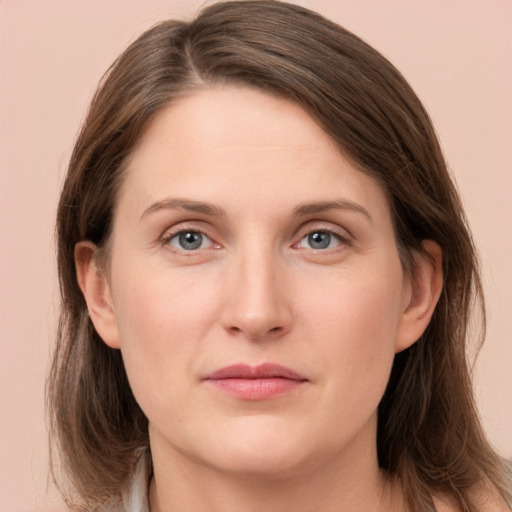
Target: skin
256	291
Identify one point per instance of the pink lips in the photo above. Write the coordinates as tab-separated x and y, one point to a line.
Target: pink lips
256	382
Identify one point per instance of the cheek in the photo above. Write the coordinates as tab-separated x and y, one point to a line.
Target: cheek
156	307
353	326
355	349
162	320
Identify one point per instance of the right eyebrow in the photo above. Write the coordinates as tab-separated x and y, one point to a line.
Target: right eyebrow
176	203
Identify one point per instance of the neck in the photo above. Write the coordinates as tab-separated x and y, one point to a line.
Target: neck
279	496
341	482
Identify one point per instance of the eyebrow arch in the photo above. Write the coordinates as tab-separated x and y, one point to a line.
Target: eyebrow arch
184	204
323	206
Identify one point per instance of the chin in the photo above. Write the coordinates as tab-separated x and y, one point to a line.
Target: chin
262	465
270	451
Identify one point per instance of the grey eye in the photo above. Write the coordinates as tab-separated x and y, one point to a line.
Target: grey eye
319	240
189	240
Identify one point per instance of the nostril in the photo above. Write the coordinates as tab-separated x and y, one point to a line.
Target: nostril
256	334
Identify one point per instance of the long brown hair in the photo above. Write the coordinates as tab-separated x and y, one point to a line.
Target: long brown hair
429	435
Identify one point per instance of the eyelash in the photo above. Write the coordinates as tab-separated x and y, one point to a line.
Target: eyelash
169	235
303	234
342	240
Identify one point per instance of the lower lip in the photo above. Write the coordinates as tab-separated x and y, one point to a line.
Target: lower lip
256	389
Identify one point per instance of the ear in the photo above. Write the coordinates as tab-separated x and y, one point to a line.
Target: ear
96	291
424	288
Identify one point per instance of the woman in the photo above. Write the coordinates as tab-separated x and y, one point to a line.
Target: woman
267	281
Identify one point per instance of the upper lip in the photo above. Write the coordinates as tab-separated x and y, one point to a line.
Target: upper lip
262	371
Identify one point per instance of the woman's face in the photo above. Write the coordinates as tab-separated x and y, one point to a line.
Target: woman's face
256	290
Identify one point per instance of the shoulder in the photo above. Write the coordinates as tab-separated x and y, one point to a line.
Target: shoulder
445	504
487	499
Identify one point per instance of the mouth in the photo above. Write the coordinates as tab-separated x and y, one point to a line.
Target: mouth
256	382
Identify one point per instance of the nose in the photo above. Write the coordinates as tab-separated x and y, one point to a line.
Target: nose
257	303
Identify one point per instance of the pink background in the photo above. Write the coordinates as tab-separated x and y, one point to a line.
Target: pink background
458	57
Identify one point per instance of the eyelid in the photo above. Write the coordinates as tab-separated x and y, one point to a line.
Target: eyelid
202	227
339	241
188	226
327	227
205	239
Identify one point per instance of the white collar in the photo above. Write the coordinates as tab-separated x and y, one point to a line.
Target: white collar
135	497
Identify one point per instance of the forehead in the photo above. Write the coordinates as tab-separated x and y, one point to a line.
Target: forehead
234	117
224	142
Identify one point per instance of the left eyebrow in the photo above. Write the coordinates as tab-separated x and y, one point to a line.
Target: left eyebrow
323	206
